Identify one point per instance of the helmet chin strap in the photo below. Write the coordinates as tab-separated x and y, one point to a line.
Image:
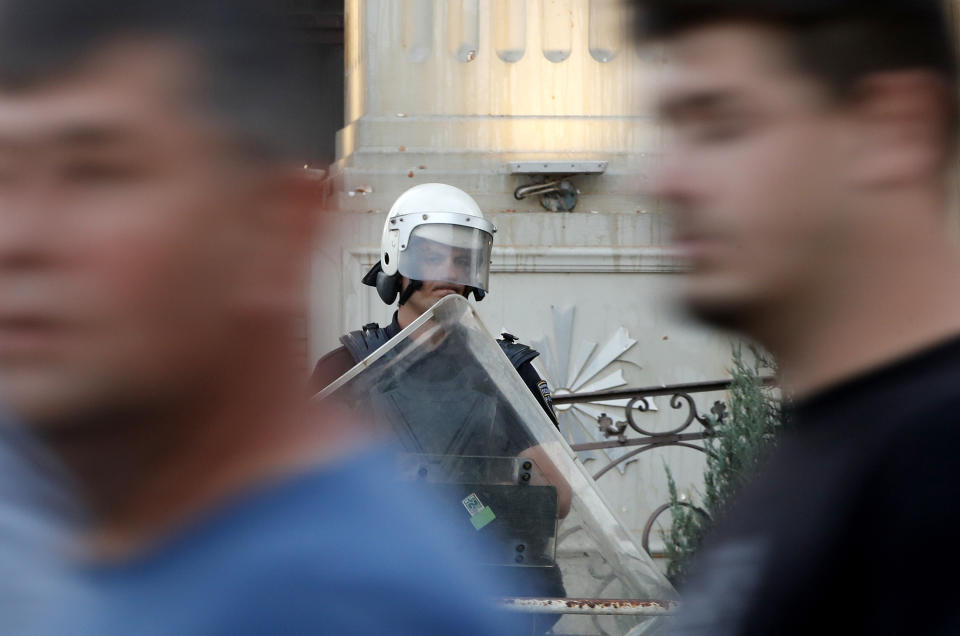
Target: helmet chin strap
409	291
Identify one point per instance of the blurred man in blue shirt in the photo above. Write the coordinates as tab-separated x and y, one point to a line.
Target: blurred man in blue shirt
154	239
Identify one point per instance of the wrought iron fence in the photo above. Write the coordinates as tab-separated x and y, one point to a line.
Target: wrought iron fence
689	433
692	427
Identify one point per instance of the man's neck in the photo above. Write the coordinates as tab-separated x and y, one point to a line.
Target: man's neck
872	312
405	315
143	478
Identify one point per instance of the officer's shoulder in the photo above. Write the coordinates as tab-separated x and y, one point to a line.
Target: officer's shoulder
517	352
334	354
330	367
364	341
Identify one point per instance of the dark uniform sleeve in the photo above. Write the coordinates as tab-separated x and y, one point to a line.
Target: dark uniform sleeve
538	386
330	367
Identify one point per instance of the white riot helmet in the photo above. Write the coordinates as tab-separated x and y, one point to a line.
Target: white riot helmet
433	232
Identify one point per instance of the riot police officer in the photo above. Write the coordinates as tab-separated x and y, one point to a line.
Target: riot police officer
435	242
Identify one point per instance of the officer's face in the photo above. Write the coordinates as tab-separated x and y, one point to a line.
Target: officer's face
439	264
754	176
432	291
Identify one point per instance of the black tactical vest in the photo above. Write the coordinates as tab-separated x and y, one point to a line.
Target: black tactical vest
436	407
363	342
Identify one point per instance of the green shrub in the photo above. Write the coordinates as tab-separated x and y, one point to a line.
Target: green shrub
736	443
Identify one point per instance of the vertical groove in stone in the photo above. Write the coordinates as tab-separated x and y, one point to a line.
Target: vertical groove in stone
463	29
417	39
606	29
556	28
510	29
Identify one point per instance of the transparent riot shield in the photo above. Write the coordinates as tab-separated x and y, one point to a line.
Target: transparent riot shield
472	435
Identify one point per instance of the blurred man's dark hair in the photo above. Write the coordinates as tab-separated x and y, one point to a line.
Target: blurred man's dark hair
808	178
836	41
255	78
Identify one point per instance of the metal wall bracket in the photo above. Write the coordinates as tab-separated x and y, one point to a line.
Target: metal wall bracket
552	181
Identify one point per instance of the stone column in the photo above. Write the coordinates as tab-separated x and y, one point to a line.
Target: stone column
454	90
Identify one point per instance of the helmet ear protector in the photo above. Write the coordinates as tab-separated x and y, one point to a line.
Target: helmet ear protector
387	286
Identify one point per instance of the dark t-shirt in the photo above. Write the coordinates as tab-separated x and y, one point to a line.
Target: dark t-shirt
851	527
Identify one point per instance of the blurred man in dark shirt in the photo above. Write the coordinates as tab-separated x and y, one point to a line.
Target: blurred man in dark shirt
154	239
812	144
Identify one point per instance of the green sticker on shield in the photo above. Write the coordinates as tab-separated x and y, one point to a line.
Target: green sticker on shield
480	515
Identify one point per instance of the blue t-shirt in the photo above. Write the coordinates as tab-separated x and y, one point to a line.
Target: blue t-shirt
343	549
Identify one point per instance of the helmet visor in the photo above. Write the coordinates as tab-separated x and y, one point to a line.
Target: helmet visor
448	253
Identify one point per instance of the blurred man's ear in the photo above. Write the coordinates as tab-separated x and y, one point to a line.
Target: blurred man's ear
901	127
286	226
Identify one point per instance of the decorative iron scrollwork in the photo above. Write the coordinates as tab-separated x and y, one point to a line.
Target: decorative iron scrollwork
680	395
